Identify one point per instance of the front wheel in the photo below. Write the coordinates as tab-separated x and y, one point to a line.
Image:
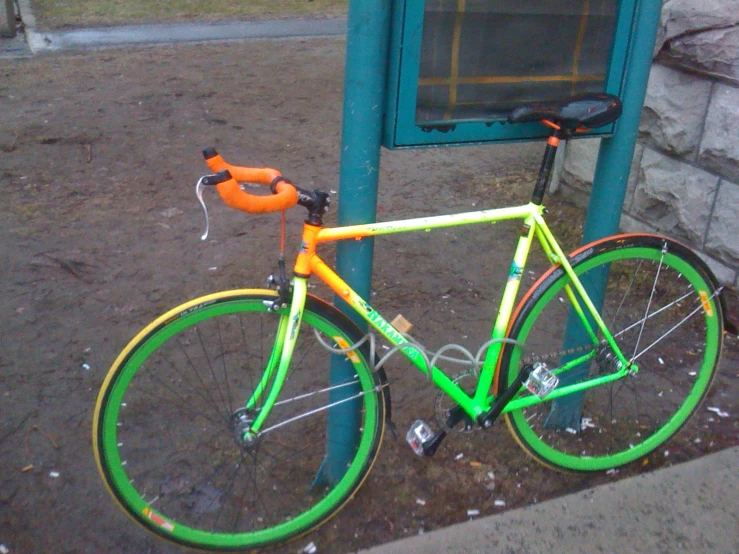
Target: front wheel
660	302
170	419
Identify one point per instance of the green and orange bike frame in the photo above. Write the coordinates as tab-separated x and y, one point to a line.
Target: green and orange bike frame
480	407
476	406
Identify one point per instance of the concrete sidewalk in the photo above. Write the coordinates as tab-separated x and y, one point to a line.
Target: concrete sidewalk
34	42
690	508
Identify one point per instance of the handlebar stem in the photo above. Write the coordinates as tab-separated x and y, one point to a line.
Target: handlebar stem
316	202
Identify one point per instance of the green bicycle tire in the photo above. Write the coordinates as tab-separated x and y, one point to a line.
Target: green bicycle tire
164	440
626	419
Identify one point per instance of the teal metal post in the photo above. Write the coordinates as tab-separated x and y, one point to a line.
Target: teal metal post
609	184
367	43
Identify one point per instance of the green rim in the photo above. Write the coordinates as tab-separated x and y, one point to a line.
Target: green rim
135	505
543	451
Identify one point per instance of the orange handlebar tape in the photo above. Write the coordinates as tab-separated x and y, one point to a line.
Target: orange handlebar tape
233	196
285	197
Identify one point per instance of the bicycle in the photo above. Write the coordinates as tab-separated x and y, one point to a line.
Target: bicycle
245	418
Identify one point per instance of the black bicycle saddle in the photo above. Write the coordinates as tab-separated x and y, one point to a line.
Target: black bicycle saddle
588	110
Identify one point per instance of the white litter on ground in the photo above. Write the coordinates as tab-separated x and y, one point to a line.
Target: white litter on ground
717	411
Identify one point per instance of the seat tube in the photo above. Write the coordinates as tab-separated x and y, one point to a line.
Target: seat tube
507	302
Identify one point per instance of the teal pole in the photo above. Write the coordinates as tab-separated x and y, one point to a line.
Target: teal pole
367	44
609	187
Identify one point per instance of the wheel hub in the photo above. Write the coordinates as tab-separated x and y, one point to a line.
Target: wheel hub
240	425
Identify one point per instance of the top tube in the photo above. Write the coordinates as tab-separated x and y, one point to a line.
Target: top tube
434	222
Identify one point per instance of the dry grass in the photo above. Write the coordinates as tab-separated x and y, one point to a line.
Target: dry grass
86	13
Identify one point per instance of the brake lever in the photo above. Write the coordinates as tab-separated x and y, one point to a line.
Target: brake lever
209	181
199	187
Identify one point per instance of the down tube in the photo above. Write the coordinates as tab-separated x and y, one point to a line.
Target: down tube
393	336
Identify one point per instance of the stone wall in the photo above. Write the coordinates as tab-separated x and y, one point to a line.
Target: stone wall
685	173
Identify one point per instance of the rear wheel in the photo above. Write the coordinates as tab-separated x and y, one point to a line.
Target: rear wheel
171	413
661	304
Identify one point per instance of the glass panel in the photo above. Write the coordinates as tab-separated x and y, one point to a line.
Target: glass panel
481	58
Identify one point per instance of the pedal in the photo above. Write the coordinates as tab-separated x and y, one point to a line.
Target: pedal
422	440
541	381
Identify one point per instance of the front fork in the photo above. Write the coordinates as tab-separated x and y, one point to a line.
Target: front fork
279	361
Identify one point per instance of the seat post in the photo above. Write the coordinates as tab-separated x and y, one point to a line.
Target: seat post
545	171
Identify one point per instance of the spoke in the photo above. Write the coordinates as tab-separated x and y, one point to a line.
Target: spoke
626	293
225	369
653	314
210	366
183	403
257	496
678	324
197	390
230	482
649	302
311	412
246	349
206	389
309	394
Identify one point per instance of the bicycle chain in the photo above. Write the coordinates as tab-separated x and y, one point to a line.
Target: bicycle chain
557	354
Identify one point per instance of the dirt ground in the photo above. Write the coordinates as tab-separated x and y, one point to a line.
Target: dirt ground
99	155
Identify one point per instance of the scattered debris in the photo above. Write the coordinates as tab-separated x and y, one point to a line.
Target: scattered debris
214	268
86	367
29	467
612	471
475	464
310	548
45	435
54	474
473	513
499	503
390	524
717	411
571	431
171	212
459	456
420	501
4	549
586	423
